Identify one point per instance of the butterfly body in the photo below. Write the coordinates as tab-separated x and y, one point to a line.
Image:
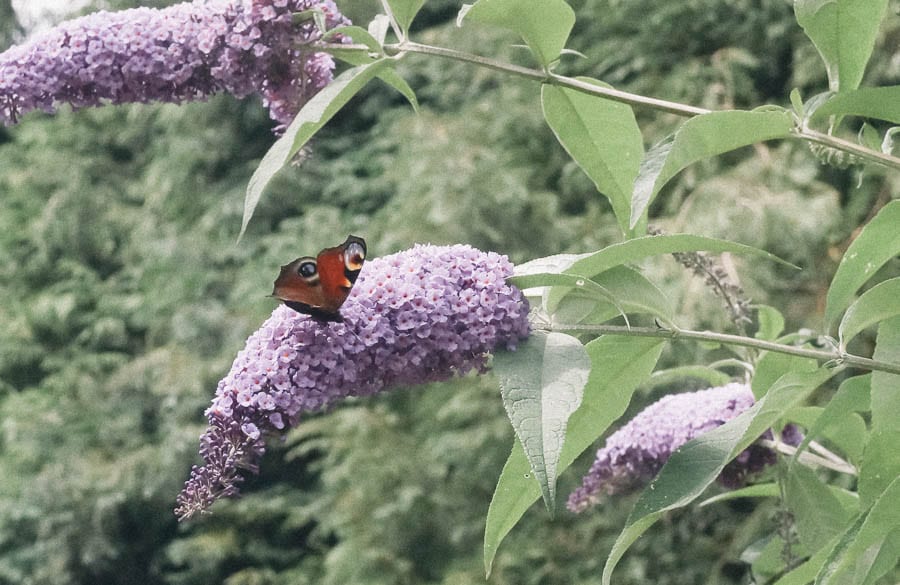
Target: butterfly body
319	286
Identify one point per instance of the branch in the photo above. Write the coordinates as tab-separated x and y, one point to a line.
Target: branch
625	97
834	356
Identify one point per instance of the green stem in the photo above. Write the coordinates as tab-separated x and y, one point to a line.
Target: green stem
625	97
548	77
822	355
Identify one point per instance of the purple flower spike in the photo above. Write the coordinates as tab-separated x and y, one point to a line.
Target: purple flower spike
417	316
634	454
186	52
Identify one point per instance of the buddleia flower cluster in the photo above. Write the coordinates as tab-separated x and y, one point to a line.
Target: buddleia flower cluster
634	454
185	52
421	315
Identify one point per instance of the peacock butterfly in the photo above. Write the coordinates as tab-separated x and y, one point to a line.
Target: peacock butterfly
319	286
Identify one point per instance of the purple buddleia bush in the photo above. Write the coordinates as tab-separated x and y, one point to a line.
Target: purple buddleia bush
634	454
185	52
421	315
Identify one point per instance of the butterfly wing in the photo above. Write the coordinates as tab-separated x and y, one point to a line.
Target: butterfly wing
319	286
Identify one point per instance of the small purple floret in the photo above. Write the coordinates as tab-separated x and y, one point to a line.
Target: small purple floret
421	315
186	52
634	454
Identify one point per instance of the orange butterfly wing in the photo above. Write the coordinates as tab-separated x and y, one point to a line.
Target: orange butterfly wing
319	286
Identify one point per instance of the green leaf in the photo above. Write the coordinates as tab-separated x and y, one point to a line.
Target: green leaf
852	396
405	11
771	322
773	365
844	32
541	385
818	513
358	35
806	572
886	560
646	246
395	80
573	284
881	460
388	75
702	137
555	263
868	136
359	57
797	102
619	364
544	25
855	555
693	467
615	292
759	490
602	136
881	103
311	118
633	293
847	499
639	248
706	374
880	302
878	242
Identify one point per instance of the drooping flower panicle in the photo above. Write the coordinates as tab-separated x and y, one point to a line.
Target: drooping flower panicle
420	315
185	52
634	454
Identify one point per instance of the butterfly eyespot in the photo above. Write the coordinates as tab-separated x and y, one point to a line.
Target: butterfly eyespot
318	286
307	269
355	254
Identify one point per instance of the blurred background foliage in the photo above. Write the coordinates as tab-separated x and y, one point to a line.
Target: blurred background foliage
124	297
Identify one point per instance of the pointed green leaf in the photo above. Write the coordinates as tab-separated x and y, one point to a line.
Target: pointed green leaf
639	248
395	80
623	289
758	490
881	460
544	25
541	385
693	467
844	32
358	35
572	283
771	322
818	513
699	138
880	302
773	365
881	103
797	102
878	242
388	75
405	11
852	396
806	572
619	364
855	555
314	114
633	293
646	246
847	499
868	136
706	374
602	136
